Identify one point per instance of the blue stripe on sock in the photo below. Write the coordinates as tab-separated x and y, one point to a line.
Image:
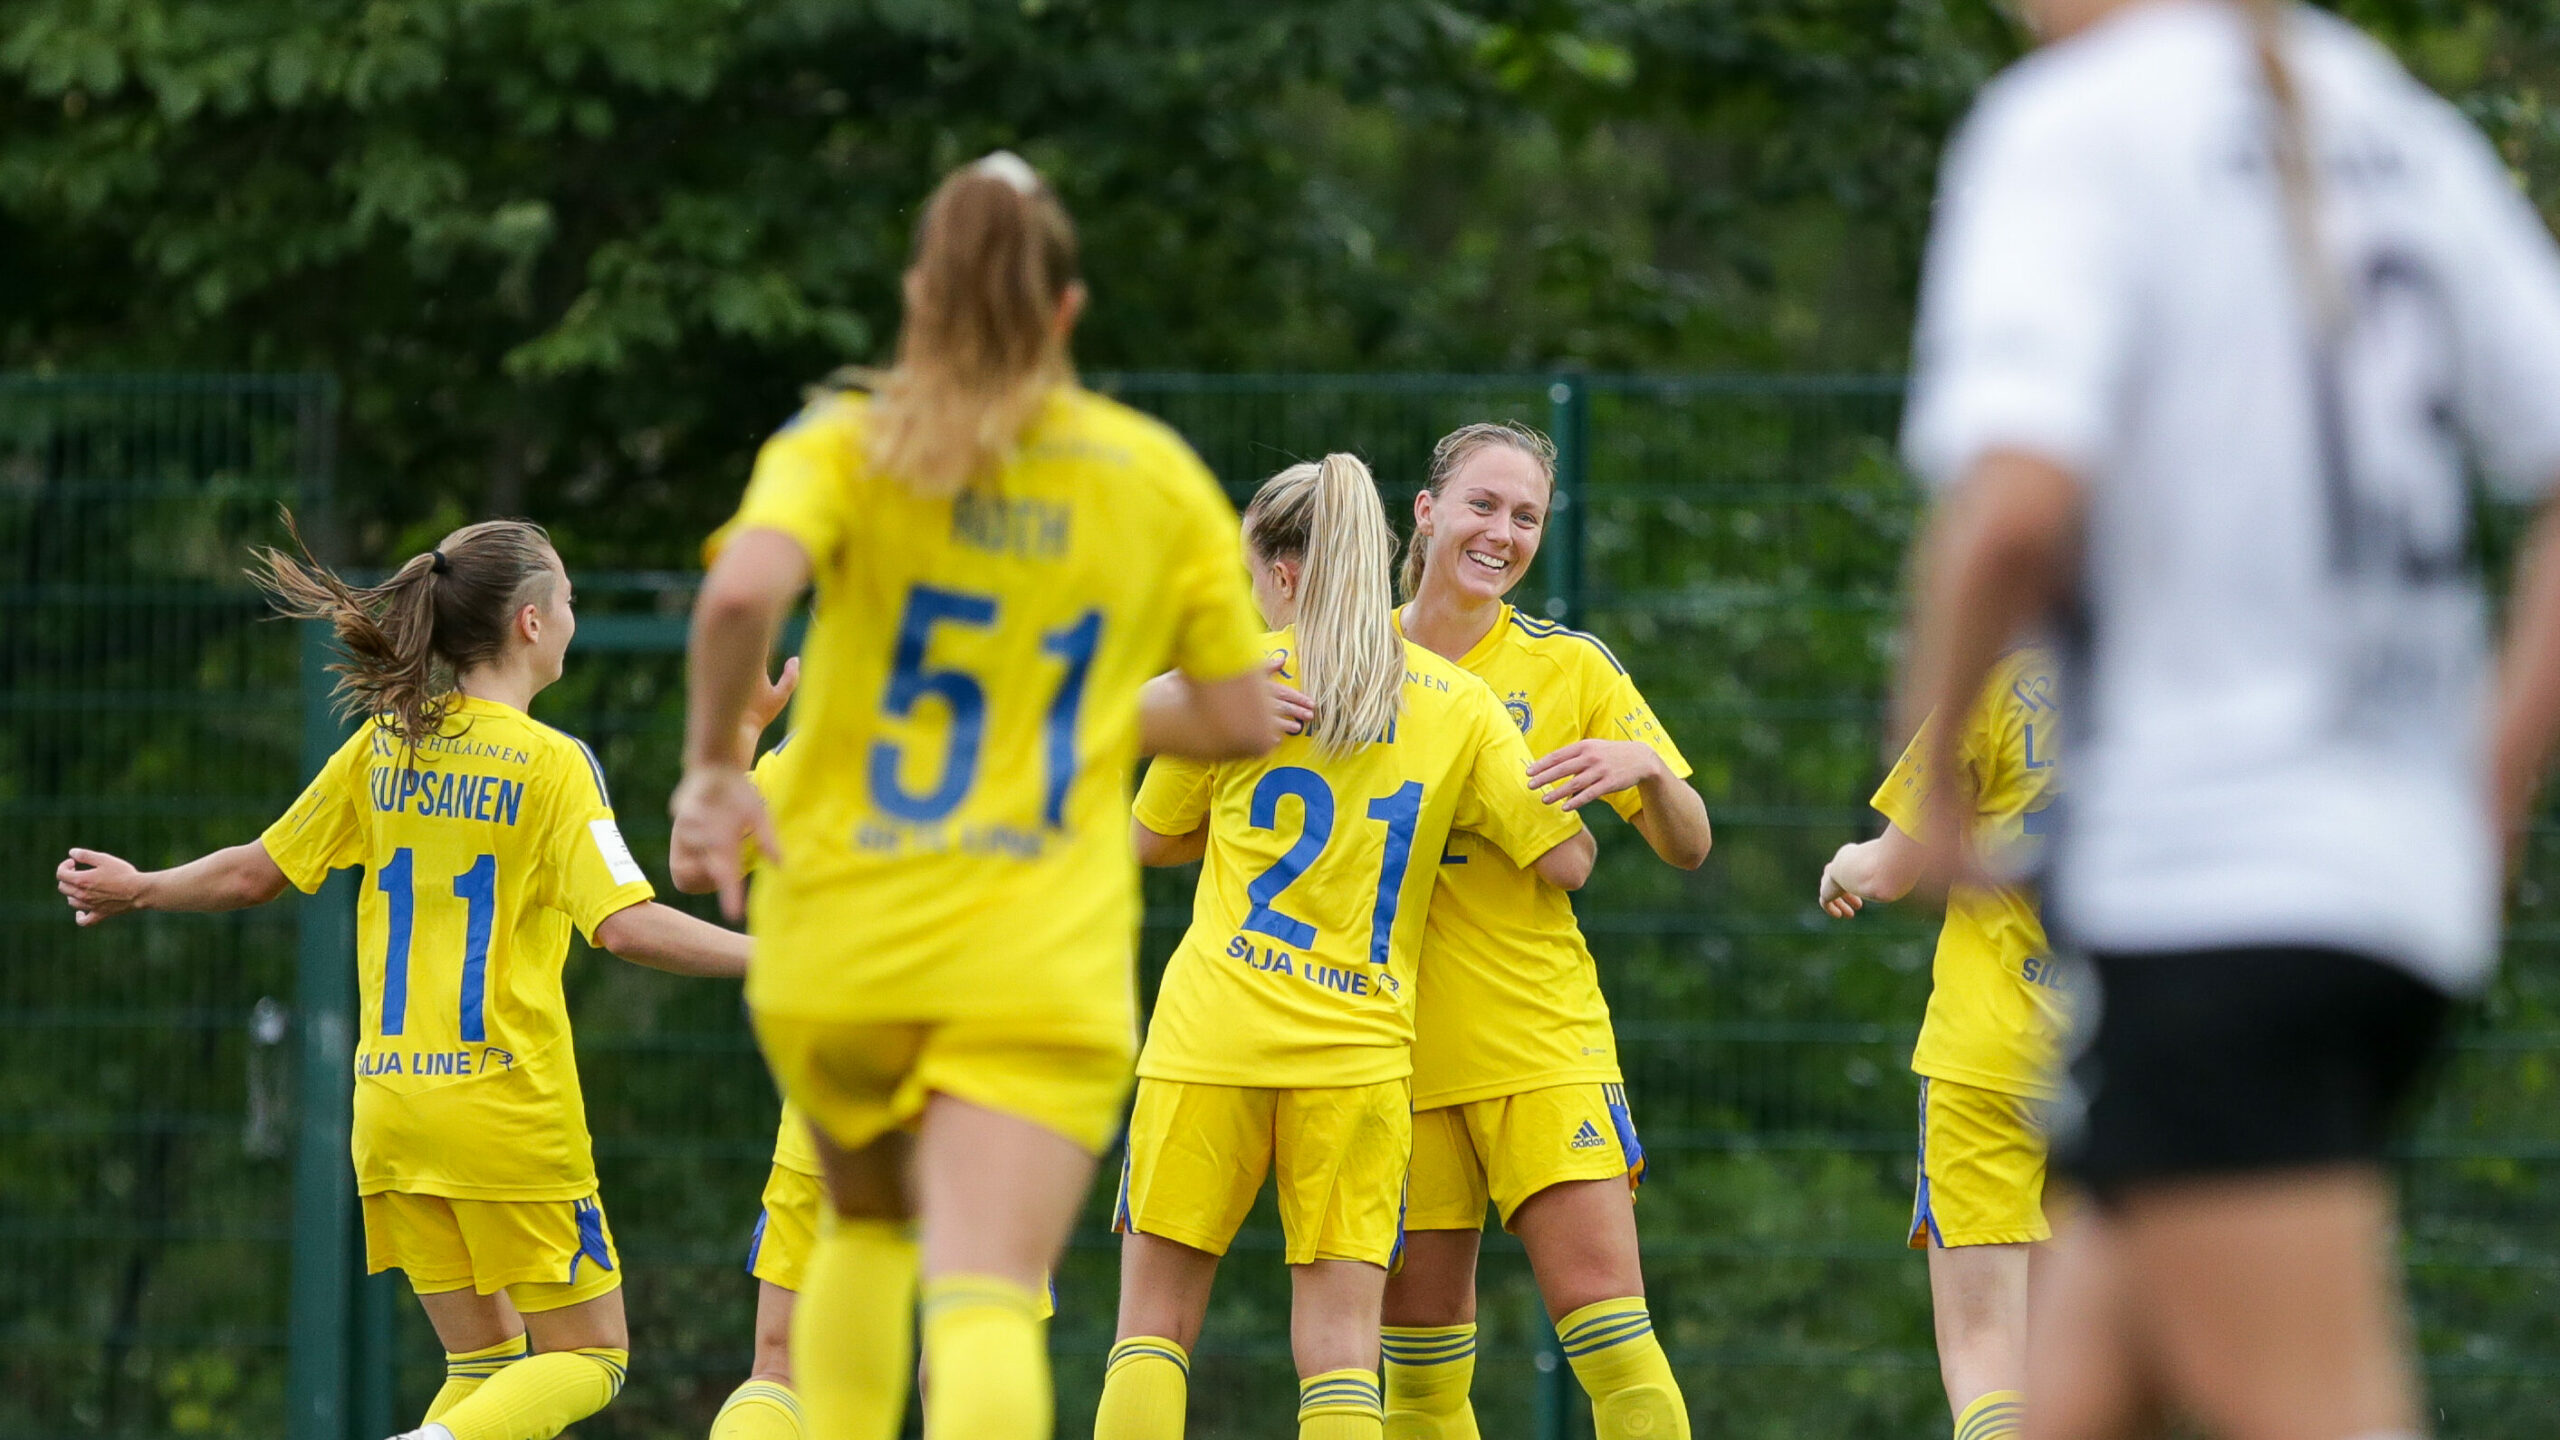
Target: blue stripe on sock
1134	1350
1427	1351
1591	1338
1605	1325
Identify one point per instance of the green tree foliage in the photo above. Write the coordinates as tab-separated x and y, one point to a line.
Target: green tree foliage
574	259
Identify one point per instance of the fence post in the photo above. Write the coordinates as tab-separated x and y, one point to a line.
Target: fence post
320	1310
1569	425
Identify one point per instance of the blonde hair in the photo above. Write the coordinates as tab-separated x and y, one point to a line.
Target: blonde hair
439	614
1454	450
1350	659
979	348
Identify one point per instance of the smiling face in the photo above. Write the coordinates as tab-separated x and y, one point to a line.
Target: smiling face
1486	522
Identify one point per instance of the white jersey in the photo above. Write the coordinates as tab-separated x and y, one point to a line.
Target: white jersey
2280	673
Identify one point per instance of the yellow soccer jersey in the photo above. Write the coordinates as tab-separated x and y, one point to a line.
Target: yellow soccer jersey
958	847
478	859
1996	1006
1298	968
1511	1000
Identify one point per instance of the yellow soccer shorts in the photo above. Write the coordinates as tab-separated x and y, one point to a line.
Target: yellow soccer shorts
787	1227
859	1081
1508	1148
546	1254
1981	1169
1197	1155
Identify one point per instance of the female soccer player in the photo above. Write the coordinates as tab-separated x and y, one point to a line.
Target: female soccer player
1002	560
1986	1050
2218	305
1516	1085
485	835
765	1407
1281	1039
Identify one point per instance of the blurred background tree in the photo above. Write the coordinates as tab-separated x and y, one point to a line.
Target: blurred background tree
575	259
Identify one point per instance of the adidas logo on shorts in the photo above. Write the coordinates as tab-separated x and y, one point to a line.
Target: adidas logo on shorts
1588	1137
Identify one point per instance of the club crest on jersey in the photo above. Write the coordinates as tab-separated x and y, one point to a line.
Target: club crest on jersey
1588	1137
1521	714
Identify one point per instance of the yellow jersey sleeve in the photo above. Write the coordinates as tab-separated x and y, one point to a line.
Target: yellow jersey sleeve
1219	633
323	830
1174	798
1620	713
588	872
796	484
1905	791
1498	803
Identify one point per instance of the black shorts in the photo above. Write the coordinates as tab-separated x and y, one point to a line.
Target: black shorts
2226	1062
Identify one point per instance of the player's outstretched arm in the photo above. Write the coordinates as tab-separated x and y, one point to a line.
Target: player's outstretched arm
1154	847
1884	868
651	934
100	886
1568	865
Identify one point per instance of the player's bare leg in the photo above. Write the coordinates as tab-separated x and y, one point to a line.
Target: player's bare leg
2084	1367
1978	1306
579	1356
996	1196
1581	1239
2273	1303
1429	1336
1437	1284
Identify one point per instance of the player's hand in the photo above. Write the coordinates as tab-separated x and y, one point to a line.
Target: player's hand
1297	712
97	885
1838	900
714	810
764	706
1588	769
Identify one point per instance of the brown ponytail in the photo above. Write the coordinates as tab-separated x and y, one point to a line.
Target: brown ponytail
980	347
1350	661
2297	168
1453	451
407	638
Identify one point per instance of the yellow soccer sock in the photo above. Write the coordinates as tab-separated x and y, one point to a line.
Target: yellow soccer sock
539	1396
853	1330
1341	1405
1430	1369
985	1348
466	1371
758	1410
1619	1362
1993	1416
1145	1391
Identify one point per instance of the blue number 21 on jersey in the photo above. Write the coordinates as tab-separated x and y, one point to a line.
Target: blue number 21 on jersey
961	693
1402	812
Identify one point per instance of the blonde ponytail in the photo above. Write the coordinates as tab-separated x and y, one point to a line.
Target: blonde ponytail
1350	659
979	348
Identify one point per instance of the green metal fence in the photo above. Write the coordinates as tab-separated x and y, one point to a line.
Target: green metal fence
176	1246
